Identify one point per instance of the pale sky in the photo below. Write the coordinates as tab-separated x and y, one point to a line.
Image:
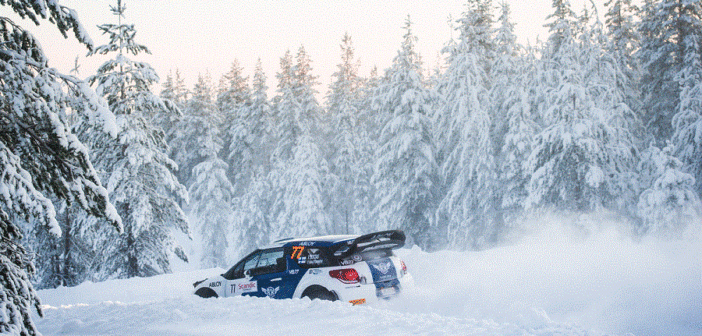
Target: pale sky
198	36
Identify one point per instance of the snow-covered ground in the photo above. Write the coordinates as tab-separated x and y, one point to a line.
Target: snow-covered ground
558	282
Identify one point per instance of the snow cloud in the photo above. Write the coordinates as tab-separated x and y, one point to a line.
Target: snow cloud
593	276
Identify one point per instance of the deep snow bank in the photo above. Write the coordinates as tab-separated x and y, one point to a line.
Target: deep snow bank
560	281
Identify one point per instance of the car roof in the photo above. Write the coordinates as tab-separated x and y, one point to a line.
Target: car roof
320	241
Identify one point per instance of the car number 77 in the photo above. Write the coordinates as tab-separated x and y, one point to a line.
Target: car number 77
297	250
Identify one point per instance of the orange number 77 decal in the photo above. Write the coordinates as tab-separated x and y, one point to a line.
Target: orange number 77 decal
297	250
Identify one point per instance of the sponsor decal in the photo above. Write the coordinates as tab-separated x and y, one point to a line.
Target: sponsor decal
307	243
313	255
215	284
383	267
358	302
247	287
347	262
293	271
270	291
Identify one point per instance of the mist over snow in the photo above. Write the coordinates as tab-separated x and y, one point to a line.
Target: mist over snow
593	276
573	276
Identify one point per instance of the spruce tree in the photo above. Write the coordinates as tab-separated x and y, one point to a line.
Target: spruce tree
585	145
687	121
624	40
211	196
136	169
666	27
465	129
40	157
515	119
668	203
246	130
406	174
197	132
348	139
302	171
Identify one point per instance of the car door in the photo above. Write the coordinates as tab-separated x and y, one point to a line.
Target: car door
270	275
239	280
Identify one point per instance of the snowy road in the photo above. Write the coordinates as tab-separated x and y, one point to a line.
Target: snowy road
545	285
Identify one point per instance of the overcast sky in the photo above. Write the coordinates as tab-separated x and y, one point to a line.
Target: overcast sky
198	36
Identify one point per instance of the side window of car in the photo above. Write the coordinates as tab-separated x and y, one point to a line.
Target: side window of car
271	261
251	263
310	257
237	272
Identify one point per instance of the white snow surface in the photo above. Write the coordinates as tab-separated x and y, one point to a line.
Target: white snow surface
561	281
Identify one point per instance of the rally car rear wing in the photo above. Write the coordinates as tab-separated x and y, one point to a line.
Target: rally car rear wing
391	239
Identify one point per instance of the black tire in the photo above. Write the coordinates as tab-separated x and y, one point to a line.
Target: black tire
206	293
320	293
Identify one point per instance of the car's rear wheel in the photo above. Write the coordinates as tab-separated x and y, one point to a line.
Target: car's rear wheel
206	293
319	293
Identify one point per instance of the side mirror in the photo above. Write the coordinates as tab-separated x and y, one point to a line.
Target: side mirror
247	274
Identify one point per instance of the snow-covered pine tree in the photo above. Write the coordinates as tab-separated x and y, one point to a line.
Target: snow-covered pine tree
211	195
260	120
465	129
623	41
348	140
583	146
369	131
371	120
39	155
618	127
174	89
137	171
64	260
470	55
256	212
303	173
665	27
285	128
668	202
233	90
199	124
252	218
245	128
514	85
210	189
173	97
687	121
406	174
233	96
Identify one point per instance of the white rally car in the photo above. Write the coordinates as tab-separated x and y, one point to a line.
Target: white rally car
355	269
